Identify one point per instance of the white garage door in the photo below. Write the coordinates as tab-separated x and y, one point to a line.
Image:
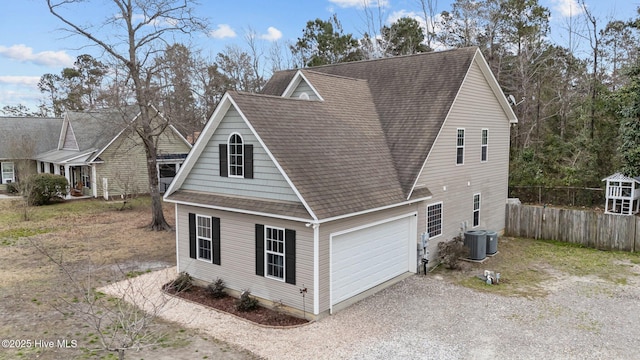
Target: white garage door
364	258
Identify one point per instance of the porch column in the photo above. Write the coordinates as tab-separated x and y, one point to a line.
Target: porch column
56	169
67	175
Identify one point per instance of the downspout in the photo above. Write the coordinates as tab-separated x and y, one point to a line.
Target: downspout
316	268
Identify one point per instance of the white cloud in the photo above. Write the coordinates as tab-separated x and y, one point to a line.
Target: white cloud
23	53
272	34
20	80
360	3
394	16
567	8
223	31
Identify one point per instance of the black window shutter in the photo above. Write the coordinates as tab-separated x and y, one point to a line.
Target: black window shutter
215	235
224	168
290	256
248	161
259	249
192	236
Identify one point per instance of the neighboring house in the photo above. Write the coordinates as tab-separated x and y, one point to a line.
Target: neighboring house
322	185
21	138
101	155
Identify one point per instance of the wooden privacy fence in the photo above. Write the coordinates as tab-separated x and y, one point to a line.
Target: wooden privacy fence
588	228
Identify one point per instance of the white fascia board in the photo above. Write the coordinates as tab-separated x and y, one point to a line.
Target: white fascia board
107	146
444	124
493	83
297	78
374	210
173	128
275	161
63	130
240	211
201	143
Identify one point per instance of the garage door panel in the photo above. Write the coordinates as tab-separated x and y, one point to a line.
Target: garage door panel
368	257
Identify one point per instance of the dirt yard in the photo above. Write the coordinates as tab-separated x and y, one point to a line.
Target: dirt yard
98	244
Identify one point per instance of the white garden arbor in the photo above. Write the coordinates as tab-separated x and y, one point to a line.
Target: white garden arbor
623	194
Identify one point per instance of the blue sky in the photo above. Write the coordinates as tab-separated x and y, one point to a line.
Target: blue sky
31	44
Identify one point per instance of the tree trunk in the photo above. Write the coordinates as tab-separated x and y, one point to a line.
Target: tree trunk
158	221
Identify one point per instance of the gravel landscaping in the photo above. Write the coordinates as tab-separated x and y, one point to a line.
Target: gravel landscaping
428	317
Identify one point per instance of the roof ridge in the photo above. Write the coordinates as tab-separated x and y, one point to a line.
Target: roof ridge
332	75
260	95
468	48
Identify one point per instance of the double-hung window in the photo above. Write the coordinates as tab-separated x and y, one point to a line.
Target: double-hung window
204	240
460	147
8	174
274	252
476	210
485	145
236	156
434	219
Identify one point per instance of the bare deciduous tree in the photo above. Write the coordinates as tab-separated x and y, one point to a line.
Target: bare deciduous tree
139	33
122	322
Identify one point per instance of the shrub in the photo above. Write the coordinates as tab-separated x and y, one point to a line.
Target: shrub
216	290
246	302
45	187
184	282
450	252
13	188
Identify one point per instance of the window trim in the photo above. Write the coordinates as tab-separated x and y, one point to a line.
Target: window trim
199	238
441	203
229	155
460	147
268	252
484	145
7	180
476	209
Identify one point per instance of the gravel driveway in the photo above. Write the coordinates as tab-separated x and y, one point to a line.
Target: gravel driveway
429	318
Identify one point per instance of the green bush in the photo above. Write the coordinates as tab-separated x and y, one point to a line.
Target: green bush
46	187
216	290
13	188
246	302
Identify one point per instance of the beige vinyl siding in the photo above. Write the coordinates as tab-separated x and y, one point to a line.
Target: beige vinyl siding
237	256
475	108
303	87
339	225
125	162
172	143
267	180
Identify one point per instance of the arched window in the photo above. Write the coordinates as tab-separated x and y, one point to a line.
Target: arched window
236	156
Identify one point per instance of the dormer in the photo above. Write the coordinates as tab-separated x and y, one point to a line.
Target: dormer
67	136
301	88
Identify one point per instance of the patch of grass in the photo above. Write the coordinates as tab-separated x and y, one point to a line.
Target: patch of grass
132	274
525	265
8	237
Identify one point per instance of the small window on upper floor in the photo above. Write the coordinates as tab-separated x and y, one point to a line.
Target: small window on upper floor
460	147
485	145
303	96
236	158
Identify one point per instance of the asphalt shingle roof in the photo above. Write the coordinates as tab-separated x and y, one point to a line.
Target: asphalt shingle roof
44	132
411	94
